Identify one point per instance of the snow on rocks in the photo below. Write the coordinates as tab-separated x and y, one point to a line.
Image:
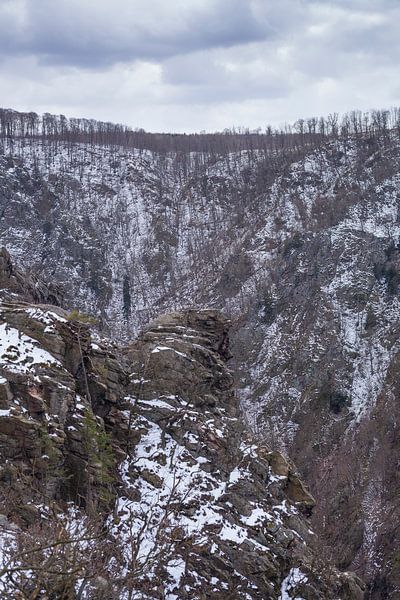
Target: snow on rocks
200	498
19	353
290	583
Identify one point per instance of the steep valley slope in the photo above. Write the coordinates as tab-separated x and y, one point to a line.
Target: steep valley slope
301	250
126	472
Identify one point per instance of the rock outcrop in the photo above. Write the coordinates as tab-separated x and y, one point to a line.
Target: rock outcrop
148	441
27	286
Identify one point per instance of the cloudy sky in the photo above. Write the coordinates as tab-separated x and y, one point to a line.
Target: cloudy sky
190	65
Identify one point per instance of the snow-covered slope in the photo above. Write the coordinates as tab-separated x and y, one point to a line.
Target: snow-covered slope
302	252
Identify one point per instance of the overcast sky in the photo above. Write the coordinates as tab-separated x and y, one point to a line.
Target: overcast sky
191	65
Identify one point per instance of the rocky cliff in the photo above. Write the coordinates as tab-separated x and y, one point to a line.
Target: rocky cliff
128	472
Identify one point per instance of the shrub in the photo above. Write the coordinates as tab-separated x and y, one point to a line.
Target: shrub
337	402
294	243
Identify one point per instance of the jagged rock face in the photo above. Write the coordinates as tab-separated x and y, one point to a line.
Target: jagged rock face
48	428
236	508
302	253
150	437
27	286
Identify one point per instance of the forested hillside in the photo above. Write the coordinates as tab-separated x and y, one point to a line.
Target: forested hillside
294	234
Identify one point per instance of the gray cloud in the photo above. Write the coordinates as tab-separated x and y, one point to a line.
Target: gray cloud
90	33
198	64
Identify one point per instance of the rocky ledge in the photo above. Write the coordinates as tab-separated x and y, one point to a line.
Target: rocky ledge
129	472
